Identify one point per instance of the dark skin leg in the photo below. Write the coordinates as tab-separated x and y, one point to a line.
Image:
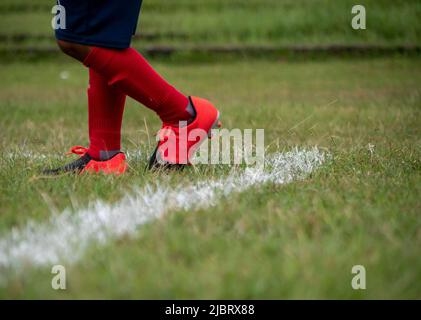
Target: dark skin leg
75	50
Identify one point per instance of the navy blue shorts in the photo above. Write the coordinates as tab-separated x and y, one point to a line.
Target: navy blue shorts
101	23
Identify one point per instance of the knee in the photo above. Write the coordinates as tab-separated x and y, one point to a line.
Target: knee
67	47
74	50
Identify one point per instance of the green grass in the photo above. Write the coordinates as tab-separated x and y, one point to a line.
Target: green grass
295	241
237	22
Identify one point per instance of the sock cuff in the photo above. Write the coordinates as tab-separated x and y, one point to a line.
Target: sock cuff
98	58
128	71
89	57
173	107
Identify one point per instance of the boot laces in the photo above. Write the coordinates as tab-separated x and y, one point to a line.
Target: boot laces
79	150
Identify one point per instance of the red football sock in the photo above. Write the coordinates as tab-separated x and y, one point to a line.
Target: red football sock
128	71
106	106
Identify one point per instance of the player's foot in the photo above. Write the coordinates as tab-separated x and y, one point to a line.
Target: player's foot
177	144
116	165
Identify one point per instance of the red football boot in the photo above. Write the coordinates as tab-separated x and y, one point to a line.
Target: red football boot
116	165
177	144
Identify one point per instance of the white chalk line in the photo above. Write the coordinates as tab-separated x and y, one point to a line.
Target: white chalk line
64	238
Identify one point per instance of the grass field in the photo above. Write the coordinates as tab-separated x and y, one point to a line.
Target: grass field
297	240
294	241
192	22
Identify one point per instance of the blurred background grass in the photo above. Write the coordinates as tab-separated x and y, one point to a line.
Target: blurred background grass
26	26
295	241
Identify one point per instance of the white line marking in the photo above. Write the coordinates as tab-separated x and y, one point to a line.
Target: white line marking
65	236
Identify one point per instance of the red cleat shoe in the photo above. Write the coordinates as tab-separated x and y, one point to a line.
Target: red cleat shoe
177	145
116	165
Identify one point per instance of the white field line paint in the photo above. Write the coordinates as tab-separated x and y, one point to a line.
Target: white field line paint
15	155
65	236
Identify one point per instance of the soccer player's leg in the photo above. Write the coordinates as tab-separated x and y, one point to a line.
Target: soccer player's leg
129	71
105	108
107	51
